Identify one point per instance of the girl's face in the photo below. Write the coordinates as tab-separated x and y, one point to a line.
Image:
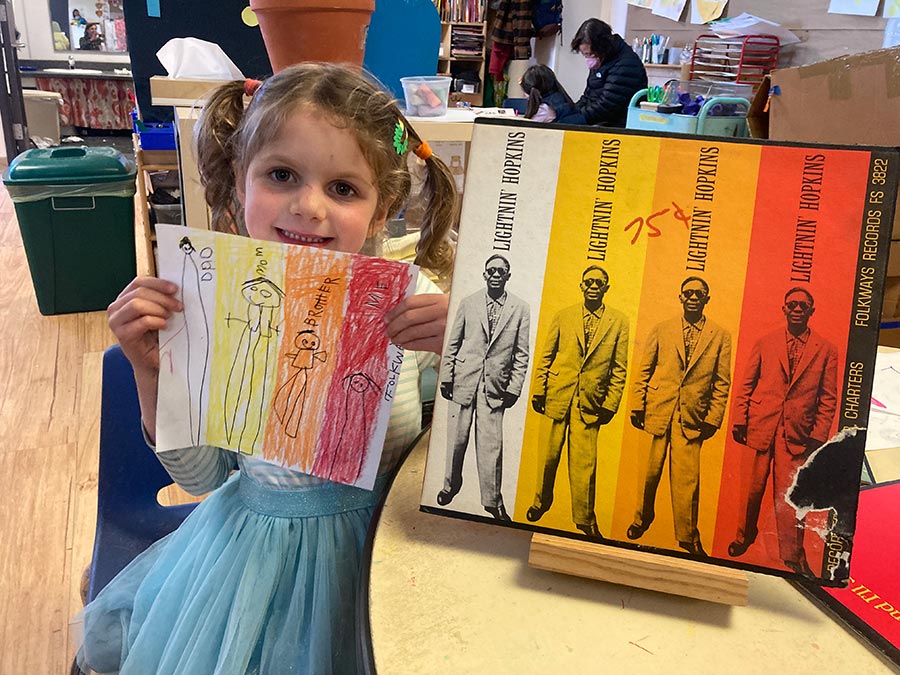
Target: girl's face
311	185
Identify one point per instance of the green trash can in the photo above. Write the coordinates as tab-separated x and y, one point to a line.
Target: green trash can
75	207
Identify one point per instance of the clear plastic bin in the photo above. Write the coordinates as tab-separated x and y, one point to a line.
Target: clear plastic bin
426	96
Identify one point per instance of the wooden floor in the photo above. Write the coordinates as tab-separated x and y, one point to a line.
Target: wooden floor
49	411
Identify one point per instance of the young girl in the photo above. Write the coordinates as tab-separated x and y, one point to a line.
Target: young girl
262	576
547	99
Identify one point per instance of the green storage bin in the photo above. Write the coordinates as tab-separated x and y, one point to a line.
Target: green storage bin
75	207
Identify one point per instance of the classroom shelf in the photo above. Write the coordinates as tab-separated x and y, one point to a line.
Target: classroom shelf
463	50
148	161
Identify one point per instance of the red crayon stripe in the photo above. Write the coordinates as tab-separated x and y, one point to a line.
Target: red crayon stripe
360	374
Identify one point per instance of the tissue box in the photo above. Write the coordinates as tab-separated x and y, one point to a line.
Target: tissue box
154	135
426	96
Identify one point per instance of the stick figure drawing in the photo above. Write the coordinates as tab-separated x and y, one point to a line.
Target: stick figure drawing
347	458
254	359
197	364
290	398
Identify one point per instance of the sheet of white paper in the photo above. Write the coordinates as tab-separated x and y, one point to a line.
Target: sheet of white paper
704	11
886	387
670	9
884	416
748	24
891	9
883	430
859	7
646	4
280	352
891	33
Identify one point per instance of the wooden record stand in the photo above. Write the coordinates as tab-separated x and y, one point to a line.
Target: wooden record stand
676	576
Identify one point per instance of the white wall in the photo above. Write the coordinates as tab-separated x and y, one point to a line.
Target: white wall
33	22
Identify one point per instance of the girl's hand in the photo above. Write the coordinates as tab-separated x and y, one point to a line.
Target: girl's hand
137	315
418	322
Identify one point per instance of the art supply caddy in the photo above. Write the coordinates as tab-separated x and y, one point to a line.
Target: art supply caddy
692	107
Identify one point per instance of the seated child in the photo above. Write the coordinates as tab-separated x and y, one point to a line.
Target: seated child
263	577
547	99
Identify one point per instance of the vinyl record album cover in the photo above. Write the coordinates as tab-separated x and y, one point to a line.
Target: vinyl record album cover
664	342
870	604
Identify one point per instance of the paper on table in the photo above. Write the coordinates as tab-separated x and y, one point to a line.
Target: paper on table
886	387
748	24
280	352
859	7
884	415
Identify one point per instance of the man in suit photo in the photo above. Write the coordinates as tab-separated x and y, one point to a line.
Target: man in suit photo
680	393
579	382
784	407
482	373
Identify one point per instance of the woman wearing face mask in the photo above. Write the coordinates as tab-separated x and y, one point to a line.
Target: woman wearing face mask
616	73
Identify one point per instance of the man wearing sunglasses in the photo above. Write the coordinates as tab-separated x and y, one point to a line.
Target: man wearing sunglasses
680	392
579	382
784	408
482	373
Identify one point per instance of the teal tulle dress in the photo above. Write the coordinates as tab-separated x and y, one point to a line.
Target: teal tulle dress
256	580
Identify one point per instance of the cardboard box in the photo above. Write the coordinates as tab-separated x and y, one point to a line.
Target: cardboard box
890	308
889	334
758	114
852	99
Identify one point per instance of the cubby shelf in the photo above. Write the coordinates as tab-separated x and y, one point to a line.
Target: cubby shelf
463	37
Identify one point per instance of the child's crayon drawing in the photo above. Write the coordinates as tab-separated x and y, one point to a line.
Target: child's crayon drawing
280	352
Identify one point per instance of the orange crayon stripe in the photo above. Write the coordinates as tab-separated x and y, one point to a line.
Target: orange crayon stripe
311	331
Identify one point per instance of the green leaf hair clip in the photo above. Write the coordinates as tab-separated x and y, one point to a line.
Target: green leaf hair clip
401	138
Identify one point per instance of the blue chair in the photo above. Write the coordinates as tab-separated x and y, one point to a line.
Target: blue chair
129	517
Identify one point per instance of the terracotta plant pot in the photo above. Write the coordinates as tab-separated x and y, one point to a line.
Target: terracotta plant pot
313	30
